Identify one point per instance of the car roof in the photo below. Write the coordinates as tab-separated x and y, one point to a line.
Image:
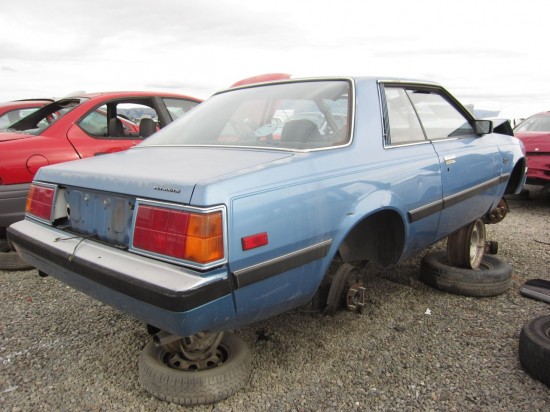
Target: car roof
25	103
123	94
247	83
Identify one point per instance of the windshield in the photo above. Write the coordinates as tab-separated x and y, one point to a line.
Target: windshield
37	122
296	116
534	124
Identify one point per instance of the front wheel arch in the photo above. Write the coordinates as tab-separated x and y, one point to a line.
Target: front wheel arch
515	183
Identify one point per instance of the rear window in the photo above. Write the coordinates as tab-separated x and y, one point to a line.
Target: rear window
41	119
296	116
534	124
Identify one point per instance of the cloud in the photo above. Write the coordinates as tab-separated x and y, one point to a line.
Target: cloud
476	49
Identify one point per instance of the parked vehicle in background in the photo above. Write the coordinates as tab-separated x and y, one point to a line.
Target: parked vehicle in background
73	128
11	112
265	198
534	132
262	78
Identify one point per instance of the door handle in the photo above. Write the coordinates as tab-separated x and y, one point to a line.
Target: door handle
449	159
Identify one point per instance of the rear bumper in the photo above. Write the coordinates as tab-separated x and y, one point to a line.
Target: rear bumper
12	203
169	297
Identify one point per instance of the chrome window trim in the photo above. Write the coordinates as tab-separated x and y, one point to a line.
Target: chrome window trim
351	120
405	82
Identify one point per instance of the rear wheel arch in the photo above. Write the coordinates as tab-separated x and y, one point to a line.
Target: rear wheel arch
379	237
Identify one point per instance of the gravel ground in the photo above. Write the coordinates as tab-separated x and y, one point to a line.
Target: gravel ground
60	350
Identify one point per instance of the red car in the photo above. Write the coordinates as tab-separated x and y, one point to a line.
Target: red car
77	127
534	132
11	112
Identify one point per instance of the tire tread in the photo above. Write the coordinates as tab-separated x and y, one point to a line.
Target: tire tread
194	388
436	271
534	348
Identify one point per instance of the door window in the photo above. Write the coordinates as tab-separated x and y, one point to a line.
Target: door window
404	126
439	118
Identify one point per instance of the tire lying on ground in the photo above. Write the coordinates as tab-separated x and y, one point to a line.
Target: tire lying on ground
12	261
4	245
9	260
194	387
534	348
492	278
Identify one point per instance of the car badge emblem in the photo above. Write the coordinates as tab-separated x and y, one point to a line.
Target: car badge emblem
167	189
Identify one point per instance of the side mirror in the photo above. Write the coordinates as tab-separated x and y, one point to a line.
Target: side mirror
483	127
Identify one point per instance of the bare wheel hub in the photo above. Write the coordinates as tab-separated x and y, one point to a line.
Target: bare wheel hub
197	352
356	297
498	214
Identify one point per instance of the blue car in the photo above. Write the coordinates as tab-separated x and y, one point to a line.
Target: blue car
265	198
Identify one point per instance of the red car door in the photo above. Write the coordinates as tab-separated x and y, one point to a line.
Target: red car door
102	131
88	145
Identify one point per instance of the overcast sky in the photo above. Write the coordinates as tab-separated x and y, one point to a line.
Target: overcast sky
493	54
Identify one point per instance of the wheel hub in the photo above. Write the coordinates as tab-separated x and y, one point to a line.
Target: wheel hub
356	297
197	352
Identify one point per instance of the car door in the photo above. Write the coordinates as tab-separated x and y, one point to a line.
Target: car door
470	163
412	157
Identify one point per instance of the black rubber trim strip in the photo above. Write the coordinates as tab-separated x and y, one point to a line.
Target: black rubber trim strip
146	292
468	193
265	270
427	210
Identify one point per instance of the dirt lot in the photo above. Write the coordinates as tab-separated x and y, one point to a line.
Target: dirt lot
413	348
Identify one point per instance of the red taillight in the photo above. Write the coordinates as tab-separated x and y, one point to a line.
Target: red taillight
40	202
196	237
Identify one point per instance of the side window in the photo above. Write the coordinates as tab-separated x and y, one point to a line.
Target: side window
403	123
119	120
439	117
178	107
95	123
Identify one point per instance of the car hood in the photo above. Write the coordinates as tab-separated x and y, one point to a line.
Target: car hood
535	141
6	136
163	173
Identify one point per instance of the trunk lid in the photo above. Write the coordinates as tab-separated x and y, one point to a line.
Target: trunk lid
162	173
6	136
101	192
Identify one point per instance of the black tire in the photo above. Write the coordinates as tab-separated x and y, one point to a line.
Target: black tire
4	245
534	348
12	261
196	387
492	278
